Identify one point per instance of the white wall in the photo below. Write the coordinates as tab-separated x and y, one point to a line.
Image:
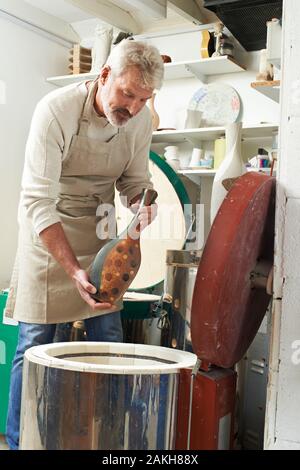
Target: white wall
26	59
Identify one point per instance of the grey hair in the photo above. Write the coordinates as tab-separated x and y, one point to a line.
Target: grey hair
141	54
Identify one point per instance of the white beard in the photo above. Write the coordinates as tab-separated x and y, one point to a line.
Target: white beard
113	117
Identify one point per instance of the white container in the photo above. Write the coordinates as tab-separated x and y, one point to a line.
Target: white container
101	396
274	34
171	153
231	167
197	156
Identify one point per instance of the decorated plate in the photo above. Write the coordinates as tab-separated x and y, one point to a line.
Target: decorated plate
219	103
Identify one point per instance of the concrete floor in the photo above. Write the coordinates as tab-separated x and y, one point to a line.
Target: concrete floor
3	445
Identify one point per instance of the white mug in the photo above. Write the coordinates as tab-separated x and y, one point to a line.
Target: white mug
197	155
171	152
193	119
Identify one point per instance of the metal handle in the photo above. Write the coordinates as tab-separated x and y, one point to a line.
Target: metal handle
148	198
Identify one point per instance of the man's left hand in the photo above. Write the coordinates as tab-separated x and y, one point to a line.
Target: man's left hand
147	214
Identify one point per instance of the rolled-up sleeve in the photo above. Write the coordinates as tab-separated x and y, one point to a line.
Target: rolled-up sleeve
136	175
42	169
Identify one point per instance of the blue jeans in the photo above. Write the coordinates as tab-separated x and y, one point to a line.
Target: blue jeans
102	328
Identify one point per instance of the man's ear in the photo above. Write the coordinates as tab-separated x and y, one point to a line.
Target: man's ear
104	74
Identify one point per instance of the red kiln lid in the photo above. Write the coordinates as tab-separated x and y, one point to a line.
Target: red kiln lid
226	309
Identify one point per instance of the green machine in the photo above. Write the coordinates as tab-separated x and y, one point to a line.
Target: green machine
8	344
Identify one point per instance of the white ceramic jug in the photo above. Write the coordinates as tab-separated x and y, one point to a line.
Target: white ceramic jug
172	156
232	166
197	155
171	152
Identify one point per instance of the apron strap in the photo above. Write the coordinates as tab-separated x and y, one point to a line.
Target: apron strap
87	109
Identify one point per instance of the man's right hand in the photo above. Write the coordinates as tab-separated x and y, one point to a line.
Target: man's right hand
54	238
85	289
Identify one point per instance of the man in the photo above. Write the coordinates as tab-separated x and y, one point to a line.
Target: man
84	140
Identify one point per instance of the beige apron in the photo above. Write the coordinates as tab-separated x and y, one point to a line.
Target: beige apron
40	291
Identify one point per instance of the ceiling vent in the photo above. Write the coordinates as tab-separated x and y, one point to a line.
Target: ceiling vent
246	19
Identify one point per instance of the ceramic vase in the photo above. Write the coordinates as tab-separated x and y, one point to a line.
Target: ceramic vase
101	48
154	114
172	156
117	262
232	166
266	70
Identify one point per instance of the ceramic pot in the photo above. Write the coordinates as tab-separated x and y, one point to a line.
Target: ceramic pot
196	158
266	70
154	114
101	48
171	152
231	167
166	59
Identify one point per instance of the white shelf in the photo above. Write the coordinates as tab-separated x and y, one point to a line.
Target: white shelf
195	68
210	133
259	131
185	135
196	175
202	68
211	172
269	89
64	80
261	170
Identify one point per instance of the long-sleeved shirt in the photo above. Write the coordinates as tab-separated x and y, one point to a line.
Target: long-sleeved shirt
55	121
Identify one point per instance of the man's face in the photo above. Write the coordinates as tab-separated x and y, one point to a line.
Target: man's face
123	97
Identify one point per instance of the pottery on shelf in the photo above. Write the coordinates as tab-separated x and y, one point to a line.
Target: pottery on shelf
197	156
266	70
154	114
231	167
101	48
171	152
166	59
172	156
218	33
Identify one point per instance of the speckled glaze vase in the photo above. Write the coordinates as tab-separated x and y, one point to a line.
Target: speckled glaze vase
118	262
